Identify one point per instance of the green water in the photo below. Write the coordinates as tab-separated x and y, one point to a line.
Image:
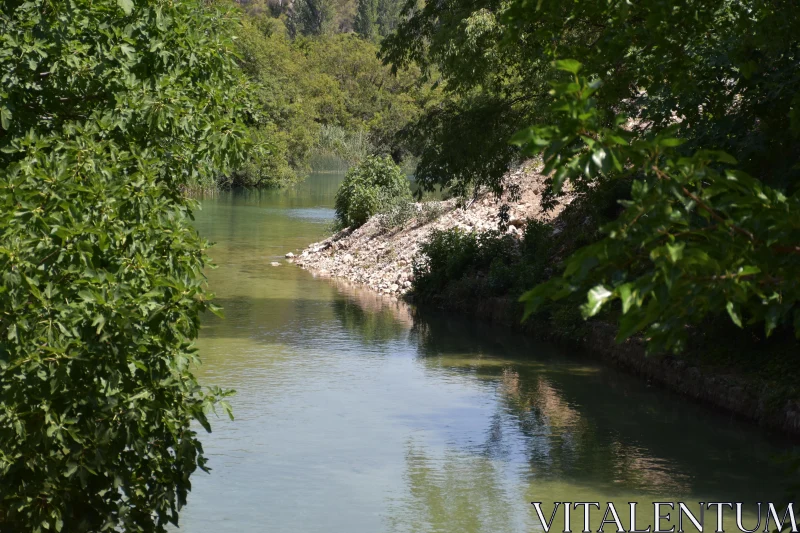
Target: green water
353	417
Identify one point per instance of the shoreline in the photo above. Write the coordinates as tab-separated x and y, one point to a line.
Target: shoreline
380	259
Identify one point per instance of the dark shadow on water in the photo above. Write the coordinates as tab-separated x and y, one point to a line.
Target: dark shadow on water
585	422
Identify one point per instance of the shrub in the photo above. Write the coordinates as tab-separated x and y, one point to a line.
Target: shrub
451	256
398	214
372	186
431	211
108	109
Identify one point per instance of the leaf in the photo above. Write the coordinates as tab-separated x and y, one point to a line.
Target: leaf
771	319
99	321
676	251
724	157
5	118
126	5
734	313
625	293
217	310
749	270
596	297
670	142
71	469
629	324
522	136
568	65
600	159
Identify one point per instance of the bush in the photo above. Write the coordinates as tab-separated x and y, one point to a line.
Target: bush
374	185
108	109
451	257
265	168
398	214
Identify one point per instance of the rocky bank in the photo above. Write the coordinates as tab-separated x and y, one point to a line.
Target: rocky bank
382	258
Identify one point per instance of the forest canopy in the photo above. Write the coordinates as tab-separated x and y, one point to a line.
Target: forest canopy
321	89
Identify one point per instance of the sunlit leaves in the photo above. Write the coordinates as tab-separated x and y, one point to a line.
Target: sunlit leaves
126	5
109	108
595	300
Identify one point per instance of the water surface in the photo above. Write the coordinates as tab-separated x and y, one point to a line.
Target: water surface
353	417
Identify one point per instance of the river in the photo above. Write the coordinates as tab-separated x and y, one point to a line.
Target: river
353	417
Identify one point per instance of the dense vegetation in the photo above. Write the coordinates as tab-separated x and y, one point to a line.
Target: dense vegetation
110	108
692	106
373	186
674	124
323	89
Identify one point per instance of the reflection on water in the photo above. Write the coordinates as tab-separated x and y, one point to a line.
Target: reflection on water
353	415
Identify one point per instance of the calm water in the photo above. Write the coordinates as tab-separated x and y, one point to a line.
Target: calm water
353	417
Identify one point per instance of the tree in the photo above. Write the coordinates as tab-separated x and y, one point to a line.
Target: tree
492	88
314	17
366	22
698	109
388	15
698	237
109	109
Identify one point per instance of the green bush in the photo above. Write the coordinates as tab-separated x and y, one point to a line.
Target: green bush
371	187
453	258
109	109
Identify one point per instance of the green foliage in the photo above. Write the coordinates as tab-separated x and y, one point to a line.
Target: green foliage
696	238
288	98
398	213
453	149
366	22
388	16
314	17
430	211
372	186
451	258
326	94
683	60
110	109
701	232
351	146
491	90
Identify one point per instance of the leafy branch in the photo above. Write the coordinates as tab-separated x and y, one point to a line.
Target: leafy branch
697	237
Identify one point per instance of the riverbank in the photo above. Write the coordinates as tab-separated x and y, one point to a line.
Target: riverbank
717	372
381	258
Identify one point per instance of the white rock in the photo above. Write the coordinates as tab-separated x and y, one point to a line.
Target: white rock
275	264
394	287
289	255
